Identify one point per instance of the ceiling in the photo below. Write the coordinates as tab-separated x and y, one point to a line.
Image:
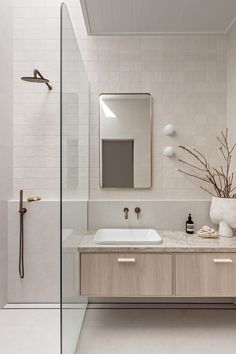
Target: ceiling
112	17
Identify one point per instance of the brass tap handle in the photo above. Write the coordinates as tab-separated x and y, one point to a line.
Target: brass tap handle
126	211
137	211
22	210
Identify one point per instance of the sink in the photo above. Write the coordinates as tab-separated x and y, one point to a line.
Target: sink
127	237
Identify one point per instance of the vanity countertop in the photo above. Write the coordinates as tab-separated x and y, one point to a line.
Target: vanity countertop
173	241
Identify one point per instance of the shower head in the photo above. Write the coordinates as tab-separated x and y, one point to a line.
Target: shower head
34	79
37	78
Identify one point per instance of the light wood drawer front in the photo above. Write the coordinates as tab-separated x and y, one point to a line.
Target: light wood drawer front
206	274
126	274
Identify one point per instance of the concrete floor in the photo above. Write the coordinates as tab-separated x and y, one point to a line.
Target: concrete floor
158	331
129	331
29	331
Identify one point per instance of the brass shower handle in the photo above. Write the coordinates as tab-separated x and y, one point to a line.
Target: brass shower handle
137	211
22	210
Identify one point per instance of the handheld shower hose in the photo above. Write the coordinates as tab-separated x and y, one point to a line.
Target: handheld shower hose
22	211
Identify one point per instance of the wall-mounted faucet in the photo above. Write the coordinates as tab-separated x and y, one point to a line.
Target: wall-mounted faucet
137	211
126	211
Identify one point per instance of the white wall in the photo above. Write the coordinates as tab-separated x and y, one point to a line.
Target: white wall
41	250
36	110
231	93
186	76
5	135
159	215
37	150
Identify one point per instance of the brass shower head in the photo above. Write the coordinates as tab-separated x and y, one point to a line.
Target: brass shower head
37	78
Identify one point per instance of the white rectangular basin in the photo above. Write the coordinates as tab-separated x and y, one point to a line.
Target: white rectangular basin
127	237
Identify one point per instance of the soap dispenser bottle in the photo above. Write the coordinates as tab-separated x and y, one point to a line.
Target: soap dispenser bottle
189	225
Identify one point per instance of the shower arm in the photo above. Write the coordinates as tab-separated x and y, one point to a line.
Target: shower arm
36	73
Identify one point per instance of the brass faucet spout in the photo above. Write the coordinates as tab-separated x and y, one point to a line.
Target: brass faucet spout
126	211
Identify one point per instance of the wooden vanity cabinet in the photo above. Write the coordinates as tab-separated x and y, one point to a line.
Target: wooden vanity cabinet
211	274
158	274
128	275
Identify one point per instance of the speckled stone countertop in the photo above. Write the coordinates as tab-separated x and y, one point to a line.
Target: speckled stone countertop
173	241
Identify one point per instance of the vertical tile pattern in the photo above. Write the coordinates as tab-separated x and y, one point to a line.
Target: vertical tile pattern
41	251
5	136
186	76
231	92
36	110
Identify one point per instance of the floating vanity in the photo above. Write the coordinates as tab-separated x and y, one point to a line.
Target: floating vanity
181	266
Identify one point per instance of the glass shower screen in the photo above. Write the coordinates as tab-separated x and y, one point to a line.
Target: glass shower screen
74	180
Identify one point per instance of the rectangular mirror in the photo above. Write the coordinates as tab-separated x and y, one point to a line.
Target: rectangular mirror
125	140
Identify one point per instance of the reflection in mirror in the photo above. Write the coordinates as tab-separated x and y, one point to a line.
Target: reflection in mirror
125	140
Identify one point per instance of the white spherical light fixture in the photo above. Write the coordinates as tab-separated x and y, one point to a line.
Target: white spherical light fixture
169	129
168	151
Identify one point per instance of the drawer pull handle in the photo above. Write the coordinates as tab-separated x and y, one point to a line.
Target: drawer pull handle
126	260
223	260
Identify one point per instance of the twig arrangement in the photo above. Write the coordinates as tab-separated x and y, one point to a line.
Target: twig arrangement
221	179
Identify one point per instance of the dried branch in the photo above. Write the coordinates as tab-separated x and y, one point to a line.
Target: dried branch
189	164
207	191
192	175
220	178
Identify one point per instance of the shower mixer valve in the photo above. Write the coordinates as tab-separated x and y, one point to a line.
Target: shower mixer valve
22	211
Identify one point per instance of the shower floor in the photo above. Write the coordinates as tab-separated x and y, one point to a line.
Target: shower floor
30	329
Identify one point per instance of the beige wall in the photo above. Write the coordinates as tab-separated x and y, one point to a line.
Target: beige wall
231	92
41	251
5	136
186	76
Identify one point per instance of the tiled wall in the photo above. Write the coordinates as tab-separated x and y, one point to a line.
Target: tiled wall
187	79
231	93
185	75
5	136
156	214
75	116
36	151
36	110
41	251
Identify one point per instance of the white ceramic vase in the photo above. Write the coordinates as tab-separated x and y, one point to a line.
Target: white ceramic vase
223	213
